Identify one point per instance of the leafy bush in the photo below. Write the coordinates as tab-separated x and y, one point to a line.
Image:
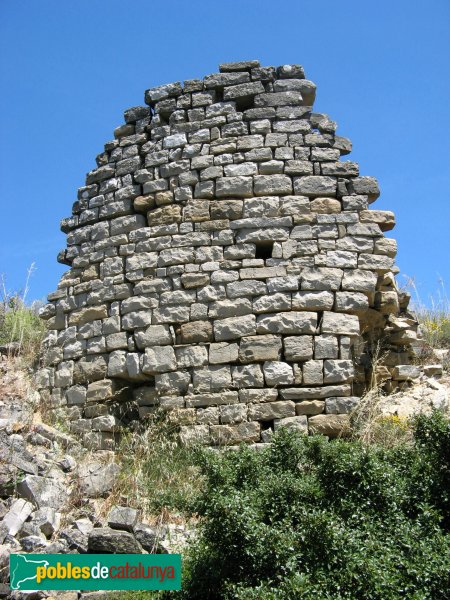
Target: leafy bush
309	518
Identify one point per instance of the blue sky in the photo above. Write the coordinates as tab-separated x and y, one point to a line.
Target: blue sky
68	70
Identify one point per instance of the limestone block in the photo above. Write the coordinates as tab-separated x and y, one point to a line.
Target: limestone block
298	423
98	391
325	206
223	435
319	278
195	434
405	372
359	280
313	372
314	186
196	332
223	352
208	416
212	378
191	356
298	348
375	262
272	185
240	289
16	516
338	371
172	384
272	303
259	348
202	400
287	323
117	364
321	300
247	376
233	328
340	324
159	359
336	406
116	341
137	319
312	393
76	395
123	517
43	491
367	186
234	413
105	423
242	90
267	234
330	425
287	283
326	346
351	302
309	407
341	259
230	308
154	335
88	314
278	373
257	395
234	187
268	411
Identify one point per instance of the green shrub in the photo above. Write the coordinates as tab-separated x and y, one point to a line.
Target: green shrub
309	518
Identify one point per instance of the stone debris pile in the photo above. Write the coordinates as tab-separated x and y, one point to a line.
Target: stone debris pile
224	262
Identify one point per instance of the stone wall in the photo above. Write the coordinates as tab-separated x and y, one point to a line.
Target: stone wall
224	262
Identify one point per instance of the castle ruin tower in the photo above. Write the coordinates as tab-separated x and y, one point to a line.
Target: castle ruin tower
226	263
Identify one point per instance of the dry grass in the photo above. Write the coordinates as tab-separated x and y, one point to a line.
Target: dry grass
21	329
433	316
158	474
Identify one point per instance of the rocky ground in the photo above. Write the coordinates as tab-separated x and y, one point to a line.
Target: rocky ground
55	496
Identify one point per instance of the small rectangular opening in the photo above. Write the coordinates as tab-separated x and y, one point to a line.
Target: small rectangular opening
264	250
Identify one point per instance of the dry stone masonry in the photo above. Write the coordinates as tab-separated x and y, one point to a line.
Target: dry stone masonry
225	264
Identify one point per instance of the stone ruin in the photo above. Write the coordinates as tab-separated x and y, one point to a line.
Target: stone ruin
225	265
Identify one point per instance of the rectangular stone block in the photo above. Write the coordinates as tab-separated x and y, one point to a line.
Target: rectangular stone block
159	359
298	348
313	372
224	435
287	323
234	327
326	346
320	300
321	278
340	324
268	411
311	393
272	185
259	348
202	400
338	371
234	187
191	356
212	379
297	424
315	185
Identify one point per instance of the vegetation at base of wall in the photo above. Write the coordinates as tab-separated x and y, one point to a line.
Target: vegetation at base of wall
20	326
433	316
158	473
311	518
